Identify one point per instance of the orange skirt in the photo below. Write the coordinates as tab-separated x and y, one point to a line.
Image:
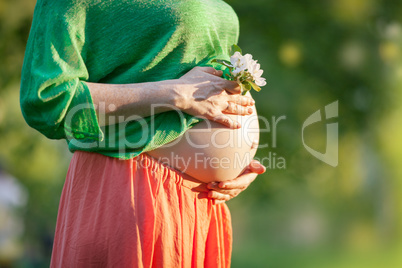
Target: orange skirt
137	213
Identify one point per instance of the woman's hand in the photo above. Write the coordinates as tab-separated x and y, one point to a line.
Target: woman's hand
203	93
226	190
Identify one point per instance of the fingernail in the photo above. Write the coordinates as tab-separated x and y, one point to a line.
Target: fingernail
252	102
237	125
261	167
250	110
255	164
222	185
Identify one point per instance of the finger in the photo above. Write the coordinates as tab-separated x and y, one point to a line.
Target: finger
256	167
241	182
210	70
241	100
232	87
217	202
219	196
215	187
234	108
231	192
226	121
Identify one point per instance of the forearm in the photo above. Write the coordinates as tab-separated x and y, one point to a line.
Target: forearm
117	102
201	92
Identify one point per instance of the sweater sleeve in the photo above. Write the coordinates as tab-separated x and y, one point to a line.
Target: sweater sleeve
54	96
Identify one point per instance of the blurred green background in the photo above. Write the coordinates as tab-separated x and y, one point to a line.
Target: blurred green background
307	214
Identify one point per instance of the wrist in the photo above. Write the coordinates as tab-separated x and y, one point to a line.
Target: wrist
178	96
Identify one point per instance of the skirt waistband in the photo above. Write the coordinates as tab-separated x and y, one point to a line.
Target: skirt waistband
147	161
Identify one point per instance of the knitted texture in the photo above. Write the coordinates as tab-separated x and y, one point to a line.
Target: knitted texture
117	42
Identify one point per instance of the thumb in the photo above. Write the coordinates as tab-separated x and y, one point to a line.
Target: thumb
256	167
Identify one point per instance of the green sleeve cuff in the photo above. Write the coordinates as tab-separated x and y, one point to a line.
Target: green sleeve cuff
81	122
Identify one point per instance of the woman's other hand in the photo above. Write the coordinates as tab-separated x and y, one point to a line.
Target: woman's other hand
226	190
202	92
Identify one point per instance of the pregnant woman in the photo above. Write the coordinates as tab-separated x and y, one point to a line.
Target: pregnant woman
158	136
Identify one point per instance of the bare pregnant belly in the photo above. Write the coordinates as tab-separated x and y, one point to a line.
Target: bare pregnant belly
212	152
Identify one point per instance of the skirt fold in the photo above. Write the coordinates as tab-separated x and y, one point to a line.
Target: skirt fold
137	213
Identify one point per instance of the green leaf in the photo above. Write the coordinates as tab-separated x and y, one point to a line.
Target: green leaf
223	62
254	86
235	48
245	87
227	63
242	87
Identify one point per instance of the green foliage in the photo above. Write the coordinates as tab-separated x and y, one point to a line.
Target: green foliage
223	62
243	70
314	53
235	48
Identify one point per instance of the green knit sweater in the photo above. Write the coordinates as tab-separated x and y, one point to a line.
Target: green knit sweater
118	42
